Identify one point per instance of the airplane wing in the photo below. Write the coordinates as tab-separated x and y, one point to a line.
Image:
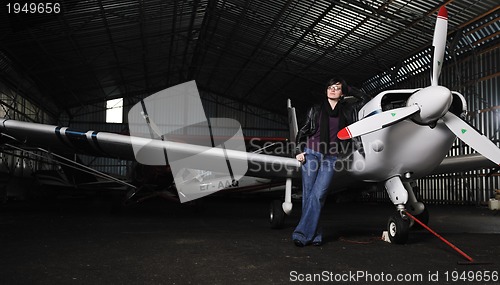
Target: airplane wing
463	163
121	146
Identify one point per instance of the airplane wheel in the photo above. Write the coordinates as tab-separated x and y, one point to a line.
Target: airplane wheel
398	228
276	214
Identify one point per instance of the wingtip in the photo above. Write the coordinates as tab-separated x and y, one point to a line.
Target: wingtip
344	134
443	13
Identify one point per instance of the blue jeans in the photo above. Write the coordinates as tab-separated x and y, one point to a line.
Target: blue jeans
317	174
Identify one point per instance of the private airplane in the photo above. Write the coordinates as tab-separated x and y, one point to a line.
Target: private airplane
394	148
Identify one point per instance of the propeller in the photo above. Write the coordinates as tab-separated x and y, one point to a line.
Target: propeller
377	122
429	105
473	138
439	44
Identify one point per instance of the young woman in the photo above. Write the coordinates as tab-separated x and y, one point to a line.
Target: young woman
318	149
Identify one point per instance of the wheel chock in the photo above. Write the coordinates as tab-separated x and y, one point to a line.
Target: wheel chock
385	236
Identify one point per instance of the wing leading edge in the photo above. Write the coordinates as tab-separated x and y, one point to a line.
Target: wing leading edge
121	146
463	163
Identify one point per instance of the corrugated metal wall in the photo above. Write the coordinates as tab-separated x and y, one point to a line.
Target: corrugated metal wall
254	122
14	106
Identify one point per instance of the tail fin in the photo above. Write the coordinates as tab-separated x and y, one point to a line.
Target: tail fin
292	121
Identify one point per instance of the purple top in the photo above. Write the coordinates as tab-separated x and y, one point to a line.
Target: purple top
313	142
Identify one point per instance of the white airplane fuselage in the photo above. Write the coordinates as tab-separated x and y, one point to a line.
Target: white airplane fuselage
407	149
404	148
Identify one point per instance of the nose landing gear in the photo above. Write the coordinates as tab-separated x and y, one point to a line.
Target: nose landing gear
398	227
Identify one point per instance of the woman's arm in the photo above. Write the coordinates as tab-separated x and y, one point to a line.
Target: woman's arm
304	132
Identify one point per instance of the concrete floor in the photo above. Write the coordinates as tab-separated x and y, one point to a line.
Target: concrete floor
78	241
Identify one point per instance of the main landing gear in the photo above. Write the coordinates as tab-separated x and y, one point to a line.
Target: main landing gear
278	210
399	224
276	214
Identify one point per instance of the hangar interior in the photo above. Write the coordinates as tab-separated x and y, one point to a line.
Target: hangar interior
247	58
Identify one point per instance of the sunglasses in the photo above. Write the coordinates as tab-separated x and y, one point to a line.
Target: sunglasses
334	87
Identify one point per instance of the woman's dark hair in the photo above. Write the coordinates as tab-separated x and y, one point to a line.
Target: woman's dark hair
335	80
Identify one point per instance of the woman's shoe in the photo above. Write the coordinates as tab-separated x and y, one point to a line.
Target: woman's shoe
298	243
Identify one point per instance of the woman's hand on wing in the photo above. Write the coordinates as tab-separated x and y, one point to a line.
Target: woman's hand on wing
301	157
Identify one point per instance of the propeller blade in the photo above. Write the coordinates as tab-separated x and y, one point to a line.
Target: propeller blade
473	138
377	122
439	44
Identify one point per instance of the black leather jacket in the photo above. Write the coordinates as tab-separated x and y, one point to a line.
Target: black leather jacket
348	115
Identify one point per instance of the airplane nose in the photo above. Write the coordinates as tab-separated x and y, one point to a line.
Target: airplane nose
433	101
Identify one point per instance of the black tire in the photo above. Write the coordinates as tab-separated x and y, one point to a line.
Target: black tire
276	214
423	217
398	228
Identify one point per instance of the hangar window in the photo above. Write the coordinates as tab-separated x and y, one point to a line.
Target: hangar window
114	111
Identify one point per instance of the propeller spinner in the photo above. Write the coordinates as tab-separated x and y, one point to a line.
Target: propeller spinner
433	103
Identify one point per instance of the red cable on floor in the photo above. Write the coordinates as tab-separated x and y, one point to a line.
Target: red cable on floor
441	238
